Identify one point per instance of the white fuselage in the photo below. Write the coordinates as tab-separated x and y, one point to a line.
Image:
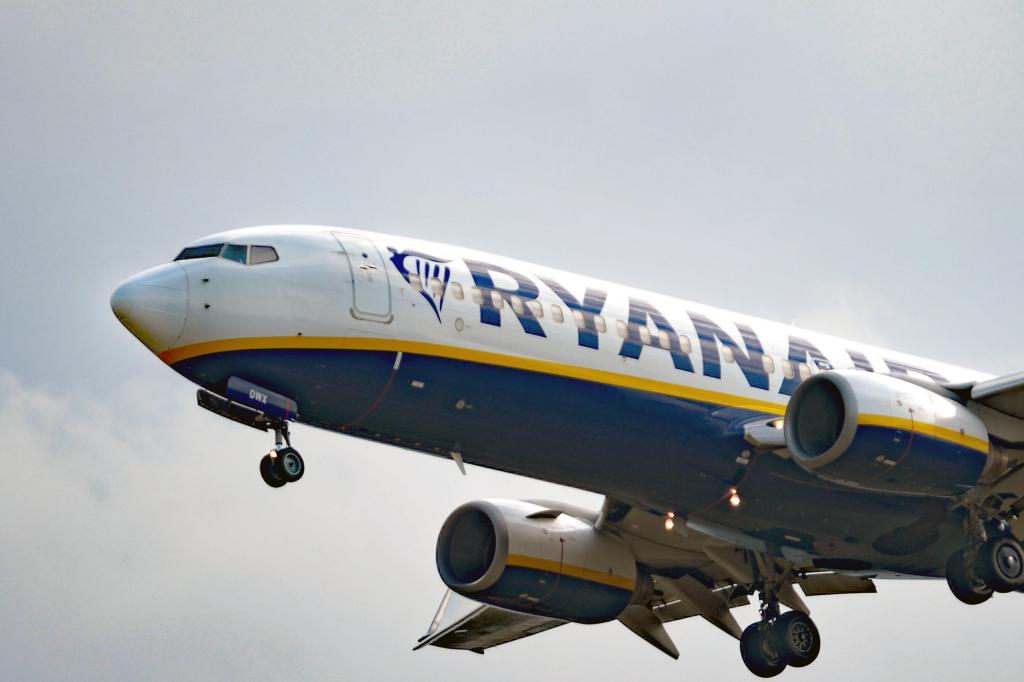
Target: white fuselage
519	367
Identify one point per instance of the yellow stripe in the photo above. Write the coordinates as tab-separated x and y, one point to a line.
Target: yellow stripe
924	428
588	574
541	366
483	357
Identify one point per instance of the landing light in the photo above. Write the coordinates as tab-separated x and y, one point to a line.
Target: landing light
670	520
734	498
779	424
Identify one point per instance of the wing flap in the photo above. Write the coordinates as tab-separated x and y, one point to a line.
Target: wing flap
711	605
643	622
1005	393
818	584
462	623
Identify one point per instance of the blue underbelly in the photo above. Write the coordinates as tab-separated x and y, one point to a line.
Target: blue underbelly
656	451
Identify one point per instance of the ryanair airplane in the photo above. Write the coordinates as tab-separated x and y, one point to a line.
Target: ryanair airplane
737	457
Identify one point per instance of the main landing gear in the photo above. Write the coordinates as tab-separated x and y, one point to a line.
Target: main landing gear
283	464
985	565
778	640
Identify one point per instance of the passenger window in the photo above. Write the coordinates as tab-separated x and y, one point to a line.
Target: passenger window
684	344
415	281
456	290
769	364
262	254
621	328
727	354
578	318
436	286
645	335
235	252
664	340
787	369
517	304
477	295
556	313
805	371
497	300
536	308
601	325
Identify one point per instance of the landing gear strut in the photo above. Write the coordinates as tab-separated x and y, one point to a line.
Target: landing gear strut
985	565
778	640
283	464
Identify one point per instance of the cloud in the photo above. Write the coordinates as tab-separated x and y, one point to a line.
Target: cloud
846	309
761	160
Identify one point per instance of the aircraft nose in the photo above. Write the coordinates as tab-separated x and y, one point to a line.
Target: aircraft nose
153	305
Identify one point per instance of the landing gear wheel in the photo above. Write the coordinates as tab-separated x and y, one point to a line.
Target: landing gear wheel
966	589
267	471
1000	563
796	638
288	465
759	653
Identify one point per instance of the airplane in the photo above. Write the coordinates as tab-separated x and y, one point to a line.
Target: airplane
736	456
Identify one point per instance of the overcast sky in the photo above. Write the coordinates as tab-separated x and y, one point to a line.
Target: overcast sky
855	170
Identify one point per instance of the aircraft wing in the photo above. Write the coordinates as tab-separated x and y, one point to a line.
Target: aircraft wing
462	623
698	570
1005	393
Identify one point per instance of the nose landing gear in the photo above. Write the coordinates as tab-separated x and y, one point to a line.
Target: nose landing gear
283	464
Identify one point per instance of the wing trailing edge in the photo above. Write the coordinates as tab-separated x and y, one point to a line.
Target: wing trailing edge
462	623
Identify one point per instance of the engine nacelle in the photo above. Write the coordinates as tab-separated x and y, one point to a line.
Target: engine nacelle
525	557
881	433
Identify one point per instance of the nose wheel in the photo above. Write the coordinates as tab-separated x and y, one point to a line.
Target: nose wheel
283	464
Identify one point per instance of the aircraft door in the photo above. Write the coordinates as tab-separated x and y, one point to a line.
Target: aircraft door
319	285
371	292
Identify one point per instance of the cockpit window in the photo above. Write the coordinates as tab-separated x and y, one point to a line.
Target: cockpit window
262	254
240	253
235	252
205	251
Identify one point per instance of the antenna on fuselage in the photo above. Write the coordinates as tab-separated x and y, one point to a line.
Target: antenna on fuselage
457	456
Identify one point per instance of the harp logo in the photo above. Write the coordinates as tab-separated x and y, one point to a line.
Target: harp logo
427	267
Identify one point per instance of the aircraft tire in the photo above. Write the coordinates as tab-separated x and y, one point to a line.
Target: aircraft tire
961	585
289	465
758	652
1000	563
796	638
269	474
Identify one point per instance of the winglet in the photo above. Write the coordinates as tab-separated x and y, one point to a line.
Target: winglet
642	621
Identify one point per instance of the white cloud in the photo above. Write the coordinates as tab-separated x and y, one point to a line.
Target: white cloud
847	309
758	154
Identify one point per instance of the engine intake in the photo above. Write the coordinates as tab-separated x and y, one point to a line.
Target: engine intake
882	433
528	558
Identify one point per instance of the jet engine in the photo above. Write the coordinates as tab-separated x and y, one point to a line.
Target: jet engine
883	433
533	559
